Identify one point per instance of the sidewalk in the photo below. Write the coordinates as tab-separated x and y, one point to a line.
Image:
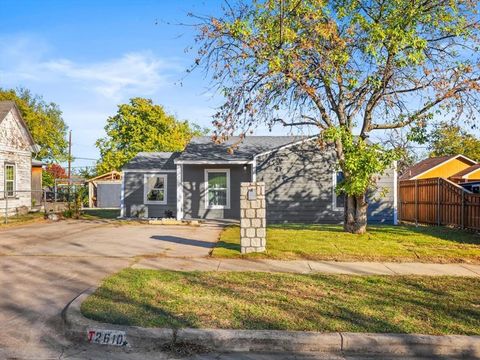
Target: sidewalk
307	266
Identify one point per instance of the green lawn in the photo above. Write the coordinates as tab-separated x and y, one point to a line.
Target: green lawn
248	300
381	243
21	219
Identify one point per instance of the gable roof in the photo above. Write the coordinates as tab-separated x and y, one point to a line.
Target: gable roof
428	164
152	161
5	107
464	173
204	149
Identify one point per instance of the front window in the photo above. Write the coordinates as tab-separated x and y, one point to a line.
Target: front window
338	199
10	180
155	189
217	189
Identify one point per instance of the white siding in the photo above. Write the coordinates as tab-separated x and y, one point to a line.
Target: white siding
15	149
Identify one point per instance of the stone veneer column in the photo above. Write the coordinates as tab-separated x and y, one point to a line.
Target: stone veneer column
253	232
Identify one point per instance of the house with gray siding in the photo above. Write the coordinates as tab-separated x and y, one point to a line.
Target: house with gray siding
203	181
16	147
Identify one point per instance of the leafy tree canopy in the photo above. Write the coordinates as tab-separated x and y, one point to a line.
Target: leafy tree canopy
139	126
86	172
52	172
342	67
451	139
44	121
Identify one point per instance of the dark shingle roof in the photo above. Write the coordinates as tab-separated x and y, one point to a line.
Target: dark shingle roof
425	165
5	107
203	148
152	160
466	171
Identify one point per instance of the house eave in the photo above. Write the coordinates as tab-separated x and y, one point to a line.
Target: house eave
416	177
213	162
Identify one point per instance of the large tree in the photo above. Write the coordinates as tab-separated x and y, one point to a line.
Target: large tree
451	139
345	68
139	126
45	122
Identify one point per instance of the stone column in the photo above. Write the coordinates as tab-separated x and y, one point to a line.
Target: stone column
252	217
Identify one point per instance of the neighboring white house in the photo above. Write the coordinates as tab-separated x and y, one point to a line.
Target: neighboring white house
16	147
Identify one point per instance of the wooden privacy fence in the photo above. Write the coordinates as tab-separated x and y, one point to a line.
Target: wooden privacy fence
438	202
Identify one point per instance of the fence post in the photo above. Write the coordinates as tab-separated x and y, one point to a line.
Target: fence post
5	195
438	202
416	202
44	198
462	215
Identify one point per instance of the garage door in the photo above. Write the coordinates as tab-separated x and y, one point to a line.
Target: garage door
108	195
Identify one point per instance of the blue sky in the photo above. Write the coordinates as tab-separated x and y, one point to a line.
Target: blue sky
88	56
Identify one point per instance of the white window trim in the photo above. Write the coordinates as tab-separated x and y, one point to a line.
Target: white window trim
5	165
145	190
216	207
334	194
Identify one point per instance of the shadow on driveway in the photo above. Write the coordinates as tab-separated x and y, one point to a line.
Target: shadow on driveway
184	241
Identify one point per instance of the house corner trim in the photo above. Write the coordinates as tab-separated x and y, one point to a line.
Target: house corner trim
180	191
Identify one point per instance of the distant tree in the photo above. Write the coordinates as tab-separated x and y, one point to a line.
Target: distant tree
52	172
44	121
139	126
86	172
451	139
405	148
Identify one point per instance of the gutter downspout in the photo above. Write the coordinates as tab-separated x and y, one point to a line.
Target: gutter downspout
395	194
180	192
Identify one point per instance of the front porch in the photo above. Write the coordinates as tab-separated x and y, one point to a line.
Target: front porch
211	191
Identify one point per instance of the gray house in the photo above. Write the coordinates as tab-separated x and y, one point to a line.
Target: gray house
203	181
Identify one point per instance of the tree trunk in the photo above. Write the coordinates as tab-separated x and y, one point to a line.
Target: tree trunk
355	221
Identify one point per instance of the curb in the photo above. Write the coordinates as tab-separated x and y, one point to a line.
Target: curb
457	346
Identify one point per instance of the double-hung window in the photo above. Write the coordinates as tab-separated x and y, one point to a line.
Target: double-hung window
217	188
10	179
338	199
155	189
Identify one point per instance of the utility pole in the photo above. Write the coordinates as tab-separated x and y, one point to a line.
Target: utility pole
69	164
69	156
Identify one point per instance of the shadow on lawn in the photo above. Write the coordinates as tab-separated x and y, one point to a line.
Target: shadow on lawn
439	232
380	231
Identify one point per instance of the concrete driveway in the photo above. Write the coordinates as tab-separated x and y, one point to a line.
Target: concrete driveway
110	239
44	266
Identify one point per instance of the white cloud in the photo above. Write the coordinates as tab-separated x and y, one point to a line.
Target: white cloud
131	74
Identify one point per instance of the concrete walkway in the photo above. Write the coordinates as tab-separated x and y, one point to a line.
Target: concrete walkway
307	266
